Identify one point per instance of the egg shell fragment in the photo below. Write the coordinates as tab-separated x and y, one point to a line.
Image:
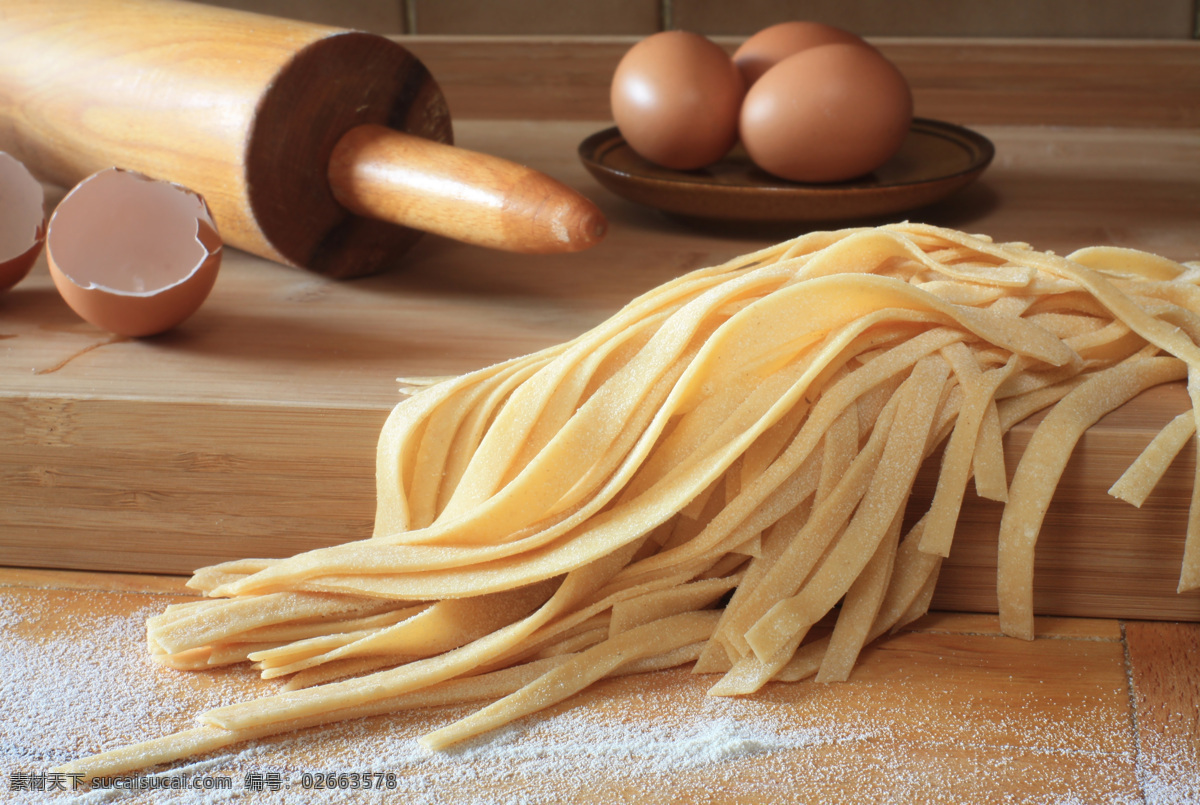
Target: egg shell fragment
828	114
675	97
22	221
133	255
768	47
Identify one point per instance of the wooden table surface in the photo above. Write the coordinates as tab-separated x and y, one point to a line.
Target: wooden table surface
1095	711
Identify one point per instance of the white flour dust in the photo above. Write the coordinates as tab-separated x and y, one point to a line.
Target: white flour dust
74	688
71	693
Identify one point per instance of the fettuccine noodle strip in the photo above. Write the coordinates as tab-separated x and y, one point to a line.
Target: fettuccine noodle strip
718	474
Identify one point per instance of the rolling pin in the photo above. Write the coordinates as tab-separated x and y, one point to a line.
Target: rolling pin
313	146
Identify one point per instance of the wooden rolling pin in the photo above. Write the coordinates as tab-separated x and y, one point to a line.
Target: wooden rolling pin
314	146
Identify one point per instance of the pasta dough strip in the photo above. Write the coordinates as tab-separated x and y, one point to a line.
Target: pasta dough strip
1042	465
959	455
885	496
579	672
743	437
1139	480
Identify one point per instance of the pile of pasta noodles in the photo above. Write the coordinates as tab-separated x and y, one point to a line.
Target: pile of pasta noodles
718	474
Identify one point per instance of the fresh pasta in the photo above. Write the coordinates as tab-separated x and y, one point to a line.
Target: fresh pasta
707	477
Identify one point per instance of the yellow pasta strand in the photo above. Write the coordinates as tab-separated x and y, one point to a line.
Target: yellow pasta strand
1042	465
702	478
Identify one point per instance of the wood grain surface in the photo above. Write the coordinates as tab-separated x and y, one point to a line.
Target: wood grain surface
1163	658
1097	711
1086	82
250	430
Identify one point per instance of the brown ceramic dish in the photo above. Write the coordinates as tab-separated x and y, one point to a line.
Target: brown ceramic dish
936	160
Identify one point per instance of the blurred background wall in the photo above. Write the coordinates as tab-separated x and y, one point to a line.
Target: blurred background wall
1105	19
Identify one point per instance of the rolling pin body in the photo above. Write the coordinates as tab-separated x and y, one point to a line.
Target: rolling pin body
248	110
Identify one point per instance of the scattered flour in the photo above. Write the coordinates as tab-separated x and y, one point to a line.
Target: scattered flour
66	694
89	686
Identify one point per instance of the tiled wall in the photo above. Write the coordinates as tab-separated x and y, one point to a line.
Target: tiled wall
1154	19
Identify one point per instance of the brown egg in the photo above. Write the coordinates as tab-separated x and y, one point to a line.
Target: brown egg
675	98
22	221
772	45
827	114
132	255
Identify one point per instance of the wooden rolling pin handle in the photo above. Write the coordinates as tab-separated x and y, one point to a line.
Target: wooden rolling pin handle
381	173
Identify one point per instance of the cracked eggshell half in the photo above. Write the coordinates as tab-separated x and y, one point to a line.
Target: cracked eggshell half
133	255
22	221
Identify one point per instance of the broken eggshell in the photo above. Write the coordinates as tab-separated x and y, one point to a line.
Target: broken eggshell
133	255
22	221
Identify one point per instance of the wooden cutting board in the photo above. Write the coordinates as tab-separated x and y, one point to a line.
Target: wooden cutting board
250	430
